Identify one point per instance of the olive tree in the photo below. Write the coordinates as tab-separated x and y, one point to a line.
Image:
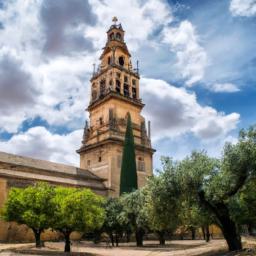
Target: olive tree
162	201
216	182
135	213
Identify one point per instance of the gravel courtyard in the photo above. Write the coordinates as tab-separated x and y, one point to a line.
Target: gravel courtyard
174	248
150	248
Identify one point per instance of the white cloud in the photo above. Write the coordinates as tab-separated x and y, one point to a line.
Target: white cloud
63	23
245	8
56	89
174	111
56	86
61	76
191	57
139	18
39	143
17	91
224	87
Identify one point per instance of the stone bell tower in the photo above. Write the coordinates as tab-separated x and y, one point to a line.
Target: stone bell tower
114	93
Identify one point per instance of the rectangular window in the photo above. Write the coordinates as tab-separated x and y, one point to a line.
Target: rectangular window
141	164
125	79
126	90
133	82
134	93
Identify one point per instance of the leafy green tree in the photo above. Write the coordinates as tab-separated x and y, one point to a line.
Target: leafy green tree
31	206
193	216
114	223
217	182
243	206
128	177
77	210
162	201
135	213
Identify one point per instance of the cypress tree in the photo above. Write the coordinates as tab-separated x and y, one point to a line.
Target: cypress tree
128	177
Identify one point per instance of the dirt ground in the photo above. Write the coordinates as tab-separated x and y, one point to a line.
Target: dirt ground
150	248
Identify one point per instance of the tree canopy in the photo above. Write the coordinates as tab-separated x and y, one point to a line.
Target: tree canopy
32	206
77	210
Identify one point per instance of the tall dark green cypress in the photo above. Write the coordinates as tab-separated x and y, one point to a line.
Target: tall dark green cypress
128	177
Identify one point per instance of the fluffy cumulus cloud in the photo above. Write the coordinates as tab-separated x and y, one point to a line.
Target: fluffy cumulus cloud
191	57
64	23
47	49
17	92
245	8
224	87
139	18
39	143
175	111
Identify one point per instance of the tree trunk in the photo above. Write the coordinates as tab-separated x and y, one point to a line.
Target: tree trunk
227	225
161	237
112	239
250	229
37	234
193	233
139	236
117	239
207	236
203	232
67	241
128	236
230	233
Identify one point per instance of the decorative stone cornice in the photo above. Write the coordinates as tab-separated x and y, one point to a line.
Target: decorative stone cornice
114	140
111	95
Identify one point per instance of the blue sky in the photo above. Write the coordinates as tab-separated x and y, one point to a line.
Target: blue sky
197	63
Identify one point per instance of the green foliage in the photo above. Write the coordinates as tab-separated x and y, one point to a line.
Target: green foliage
65	209
134	210
243	206
128	177
215	183
114	221
77	210
135	213
31	206
162	199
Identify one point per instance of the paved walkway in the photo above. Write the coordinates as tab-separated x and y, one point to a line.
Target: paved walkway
173	248
150	248
4	248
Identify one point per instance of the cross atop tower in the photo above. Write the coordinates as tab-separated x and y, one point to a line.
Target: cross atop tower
115	19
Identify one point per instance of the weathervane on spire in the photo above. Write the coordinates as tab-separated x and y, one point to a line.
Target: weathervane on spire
114	19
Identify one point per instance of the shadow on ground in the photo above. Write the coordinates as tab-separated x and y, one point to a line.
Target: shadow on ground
51	252
146	247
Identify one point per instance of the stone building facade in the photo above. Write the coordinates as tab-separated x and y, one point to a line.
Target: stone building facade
115	91
19	171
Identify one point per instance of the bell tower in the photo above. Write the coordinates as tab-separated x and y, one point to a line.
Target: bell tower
114	93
